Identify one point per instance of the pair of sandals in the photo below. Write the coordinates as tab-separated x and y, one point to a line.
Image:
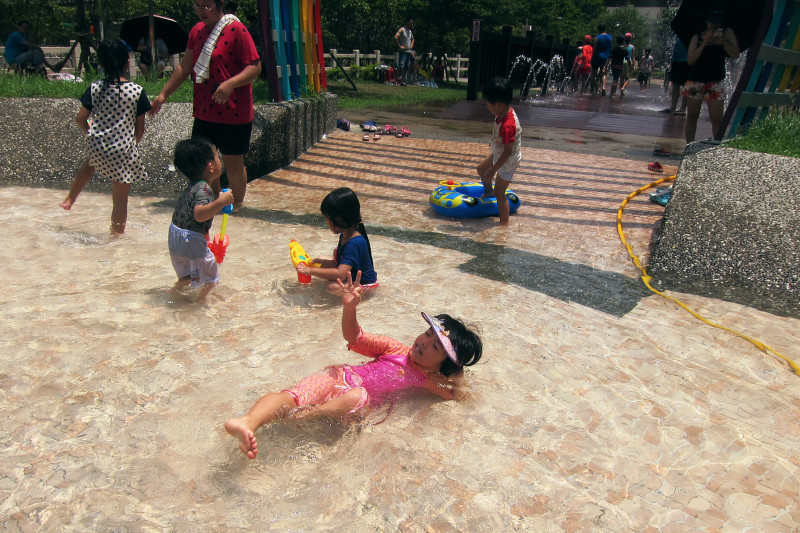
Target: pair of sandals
661	196
369	125
387	130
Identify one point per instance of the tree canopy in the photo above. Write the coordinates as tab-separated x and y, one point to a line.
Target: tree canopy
439	25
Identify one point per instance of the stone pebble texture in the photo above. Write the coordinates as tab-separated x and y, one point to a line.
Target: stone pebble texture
43	147
734	216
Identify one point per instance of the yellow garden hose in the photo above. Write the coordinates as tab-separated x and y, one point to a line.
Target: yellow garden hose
646	278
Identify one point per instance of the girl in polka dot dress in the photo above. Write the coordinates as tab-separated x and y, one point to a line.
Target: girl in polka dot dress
117	109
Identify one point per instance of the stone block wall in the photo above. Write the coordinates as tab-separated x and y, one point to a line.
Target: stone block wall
42	146
734	217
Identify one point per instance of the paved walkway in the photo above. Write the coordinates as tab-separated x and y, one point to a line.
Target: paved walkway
715	449
629	127
598	406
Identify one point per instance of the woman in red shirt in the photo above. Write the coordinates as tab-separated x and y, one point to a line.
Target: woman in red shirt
223	61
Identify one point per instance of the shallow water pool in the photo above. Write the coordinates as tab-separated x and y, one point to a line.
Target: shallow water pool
596	407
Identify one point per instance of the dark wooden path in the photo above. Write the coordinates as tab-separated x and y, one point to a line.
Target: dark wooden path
634	114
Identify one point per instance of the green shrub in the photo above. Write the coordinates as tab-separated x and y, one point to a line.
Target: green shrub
334	73
368	73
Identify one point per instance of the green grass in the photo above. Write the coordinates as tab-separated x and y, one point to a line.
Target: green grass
369	94
15	86
776	134
377	95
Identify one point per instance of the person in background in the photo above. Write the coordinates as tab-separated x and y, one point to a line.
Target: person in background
708	51
406	63
146	56
602	49
678	72
628	67
645	69
617	61
23	52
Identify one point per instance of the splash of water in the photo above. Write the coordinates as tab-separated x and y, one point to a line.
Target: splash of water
550	76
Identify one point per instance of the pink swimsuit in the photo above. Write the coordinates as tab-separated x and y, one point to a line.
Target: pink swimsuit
383	378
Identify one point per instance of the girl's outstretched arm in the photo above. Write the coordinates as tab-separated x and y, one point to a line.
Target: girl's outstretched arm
351	297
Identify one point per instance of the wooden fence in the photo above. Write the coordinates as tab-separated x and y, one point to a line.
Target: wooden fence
458	64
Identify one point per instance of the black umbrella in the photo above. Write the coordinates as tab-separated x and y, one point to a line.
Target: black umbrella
742	16
164	28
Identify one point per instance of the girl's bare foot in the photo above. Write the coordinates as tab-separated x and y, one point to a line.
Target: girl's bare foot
67	203
247	440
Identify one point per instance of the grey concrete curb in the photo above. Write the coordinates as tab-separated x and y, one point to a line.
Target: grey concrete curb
734	216
43	147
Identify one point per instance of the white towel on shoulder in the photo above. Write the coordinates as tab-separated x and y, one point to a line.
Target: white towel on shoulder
202	66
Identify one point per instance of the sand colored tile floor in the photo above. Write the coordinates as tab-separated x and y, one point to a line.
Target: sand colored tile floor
599	406
570	202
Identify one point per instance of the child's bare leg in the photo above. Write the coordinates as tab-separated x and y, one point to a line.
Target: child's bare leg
119	211
336	408
204	292
237	178
333	288
81	180
267	409
503	209
482	169
182	283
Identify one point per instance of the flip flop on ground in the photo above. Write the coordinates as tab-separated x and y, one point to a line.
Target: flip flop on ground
655	167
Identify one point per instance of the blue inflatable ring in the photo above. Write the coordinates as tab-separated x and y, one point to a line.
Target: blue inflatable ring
464	200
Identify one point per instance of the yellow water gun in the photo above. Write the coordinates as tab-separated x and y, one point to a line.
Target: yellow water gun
299	255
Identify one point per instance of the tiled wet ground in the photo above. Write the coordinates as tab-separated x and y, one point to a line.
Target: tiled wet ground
598	405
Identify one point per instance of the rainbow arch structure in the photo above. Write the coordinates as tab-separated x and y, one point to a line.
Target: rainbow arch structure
294	57
771	75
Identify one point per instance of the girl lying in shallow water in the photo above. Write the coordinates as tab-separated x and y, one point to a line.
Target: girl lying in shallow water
435	363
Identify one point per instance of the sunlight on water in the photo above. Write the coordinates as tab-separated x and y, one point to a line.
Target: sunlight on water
587	412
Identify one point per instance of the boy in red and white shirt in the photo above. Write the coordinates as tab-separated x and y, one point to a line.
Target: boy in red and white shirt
506	145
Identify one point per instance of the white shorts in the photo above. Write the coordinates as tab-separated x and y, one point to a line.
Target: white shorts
507	171
191	257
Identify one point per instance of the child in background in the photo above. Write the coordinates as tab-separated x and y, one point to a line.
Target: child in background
618	59
627	68
576	64
434	363
645	69
194	263
585	68
342	212
117	108
506	145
